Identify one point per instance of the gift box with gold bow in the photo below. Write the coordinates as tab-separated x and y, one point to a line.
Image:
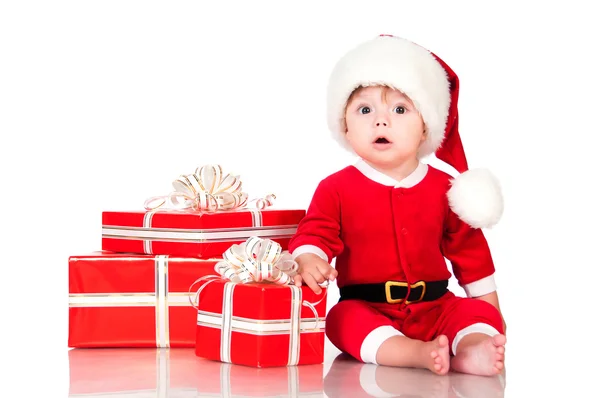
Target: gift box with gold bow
133	300
205	214
254	315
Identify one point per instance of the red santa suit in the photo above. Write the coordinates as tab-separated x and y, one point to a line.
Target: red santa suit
382	230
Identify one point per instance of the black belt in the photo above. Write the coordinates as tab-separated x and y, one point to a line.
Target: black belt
395	292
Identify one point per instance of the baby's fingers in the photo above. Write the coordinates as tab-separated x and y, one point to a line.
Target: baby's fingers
298	280
311	282
326	271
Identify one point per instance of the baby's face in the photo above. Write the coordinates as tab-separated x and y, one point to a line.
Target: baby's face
383	127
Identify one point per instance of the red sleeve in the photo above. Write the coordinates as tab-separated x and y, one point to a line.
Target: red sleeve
321	225
467	250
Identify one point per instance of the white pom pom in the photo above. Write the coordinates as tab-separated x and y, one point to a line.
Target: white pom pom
475	196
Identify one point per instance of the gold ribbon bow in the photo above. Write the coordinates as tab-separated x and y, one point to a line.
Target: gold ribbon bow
207	189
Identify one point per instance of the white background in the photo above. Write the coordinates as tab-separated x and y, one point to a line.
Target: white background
103	104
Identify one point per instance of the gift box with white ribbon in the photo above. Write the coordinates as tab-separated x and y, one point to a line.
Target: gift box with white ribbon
260	325
191	234
133	300
205	214
254	315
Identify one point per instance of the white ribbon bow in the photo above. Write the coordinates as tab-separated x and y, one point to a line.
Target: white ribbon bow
207	189
257	260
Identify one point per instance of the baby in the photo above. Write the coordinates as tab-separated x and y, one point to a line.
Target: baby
390	220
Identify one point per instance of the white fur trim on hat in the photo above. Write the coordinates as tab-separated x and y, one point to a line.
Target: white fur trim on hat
400	64
476	198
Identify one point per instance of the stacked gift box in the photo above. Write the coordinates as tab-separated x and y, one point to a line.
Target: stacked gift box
201	267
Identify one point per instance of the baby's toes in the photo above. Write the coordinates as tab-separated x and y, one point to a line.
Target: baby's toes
499	340
500	350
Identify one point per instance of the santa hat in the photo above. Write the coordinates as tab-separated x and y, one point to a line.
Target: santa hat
475	195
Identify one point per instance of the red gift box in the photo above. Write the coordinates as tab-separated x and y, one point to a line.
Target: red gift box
193	233
131	300
133	372
260	324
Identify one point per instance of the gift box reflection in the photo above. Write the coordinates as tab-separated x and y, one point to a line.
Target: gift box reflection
177	372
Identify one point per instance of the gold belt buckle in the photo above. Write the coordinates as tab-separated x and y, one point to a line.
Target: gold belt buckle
419	283
388	292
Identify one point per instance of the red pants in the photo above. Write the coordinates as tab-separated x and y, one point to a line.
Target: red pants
359	328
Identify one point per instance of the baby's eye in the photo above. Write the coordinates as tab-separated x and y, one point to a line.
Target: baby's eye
400	109
364	110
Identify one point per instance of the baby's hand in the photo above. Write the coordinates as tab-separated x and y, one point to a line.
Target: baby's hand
313	270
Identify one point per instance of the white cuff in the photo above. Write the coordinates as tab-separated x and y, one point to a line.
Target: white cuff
481	287
374	340
368	382
474	328
309	249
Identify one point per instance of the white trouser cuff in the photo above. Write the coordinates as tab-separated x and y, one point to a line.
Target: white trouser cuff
474	328
374	340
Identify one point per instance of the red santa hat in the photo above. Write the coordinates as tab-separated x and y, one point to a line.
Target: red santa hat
475	195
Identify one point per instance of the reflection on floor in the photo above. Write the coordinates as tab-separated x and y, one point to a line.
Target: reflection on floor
178	373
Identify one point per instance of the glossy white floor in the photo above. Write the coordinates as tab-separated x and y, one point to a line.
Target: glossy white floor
178	373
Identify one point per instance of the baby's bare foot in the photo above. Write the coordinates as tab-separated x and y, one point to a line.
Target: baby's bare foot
485	358
436	355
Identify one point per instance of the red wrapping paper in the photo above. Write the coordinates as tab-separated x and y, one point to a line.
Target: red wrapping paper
194	234
131	300
262	318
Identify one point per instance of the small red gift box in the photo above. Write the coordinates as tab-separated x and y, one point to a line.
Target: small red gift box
194	233
130	300
260	324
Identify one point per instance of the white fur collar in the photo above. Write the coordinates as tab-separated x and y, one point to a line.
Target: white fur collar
408	182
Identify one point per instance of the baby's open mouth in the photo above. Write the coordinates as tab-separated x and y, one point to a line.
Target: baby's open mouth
382	140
